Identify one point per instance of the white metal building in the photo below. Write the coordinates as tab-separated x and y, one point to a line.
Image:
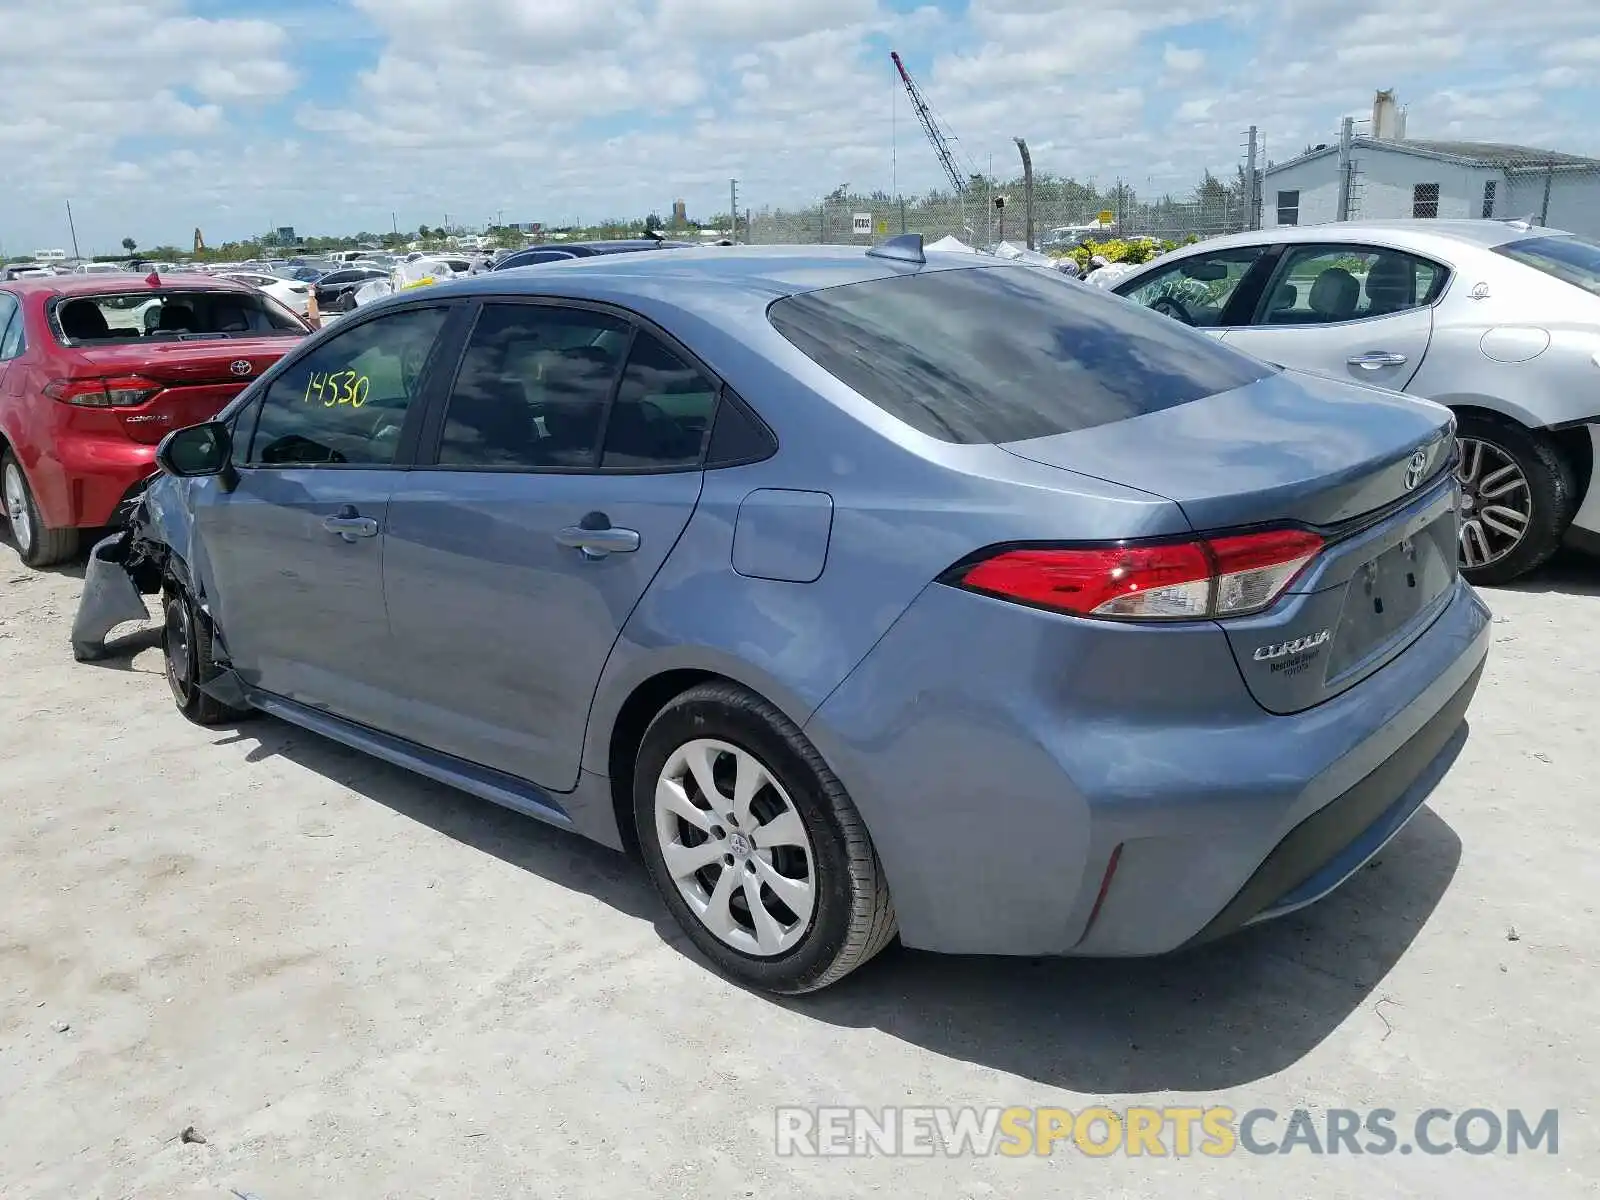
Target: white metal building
1400	177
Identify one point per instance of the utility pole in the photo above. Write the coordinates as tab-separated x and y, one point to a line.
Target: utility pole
1252	184
1346	135
74	230
395	221
1027	188
733	211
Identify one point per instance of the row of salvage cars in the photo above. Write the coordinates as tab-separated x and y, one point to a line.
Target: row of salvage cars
863	594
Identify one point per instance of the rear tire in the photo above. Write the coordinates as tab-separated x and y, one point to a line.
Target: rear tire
803	901
186	645
37	544
1543	503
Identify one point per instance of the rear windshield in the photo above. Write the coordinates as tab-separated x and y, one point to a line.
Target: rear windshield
1572	259
174	315
1005	353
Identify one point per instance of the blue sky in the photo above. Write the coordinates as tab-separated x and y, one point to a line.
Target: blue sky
157	116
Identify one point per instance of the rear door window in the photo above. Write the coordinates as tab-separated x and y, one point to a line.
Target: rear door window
1326	284
663	411
533	388
1005	353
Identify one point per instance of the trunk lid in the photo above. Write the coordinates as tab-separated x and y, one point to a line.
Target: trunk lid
190	380
1369	469
1289	447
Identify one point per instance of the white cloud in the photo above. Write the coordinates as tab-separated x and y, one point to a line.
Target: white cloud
258	79
1182	61
154	118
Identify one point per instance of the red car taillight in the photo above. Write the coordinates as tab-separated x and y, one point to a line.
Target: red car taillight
1163	581
123	391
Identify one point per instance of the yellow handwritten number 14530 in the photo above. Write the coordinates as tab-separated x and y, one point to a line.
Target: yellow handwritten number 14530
338	387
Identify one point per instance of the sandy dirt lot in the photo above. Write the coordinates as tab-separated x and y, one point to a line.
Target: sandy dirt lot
354	983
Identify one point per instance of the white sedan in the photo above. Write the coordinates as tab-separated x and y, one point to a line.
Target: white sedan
1499	320
290	293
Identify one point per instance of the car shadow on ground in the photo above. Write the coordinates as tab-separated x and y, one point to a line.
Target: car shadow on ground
11	564
1217	1017
554	854
1569	573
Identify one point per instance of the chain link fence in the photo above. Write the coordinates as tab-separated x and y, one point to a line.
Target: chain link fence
1353	176
1062	211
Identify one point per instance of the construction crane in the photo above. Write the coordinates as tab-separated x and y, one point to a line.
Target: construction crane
930	126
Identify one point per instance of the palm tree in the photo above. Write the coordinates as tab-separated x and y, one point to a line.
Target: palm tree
129	245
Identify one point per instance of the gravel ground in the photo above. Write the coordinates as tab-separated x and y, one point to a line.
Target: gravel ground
353	983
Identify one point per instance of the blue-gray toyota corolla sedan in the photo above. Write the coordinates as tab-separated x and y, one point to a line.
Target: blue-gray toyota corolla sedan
862	594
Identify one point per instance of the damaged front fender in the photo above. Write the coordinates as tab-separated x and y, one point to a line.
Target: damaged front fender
127	566
110	597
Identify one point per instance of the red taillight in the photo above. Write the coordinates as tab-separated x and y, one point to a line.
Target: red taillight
1210	577
123	391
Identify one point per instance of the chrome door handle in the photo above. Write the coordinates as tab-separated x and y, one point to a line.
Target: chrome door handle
351	528
1376	359
596	537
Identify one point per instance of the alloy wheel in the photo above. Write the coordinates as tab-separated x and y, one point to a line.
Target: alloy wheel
16	498
1496	502
735	847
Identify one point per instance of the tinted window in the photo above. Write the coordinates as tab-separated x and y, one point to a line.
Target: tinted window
999	354
1196	289
1571	259
1318	285
334	278
662	412
346	401
532	257
11	341
533	388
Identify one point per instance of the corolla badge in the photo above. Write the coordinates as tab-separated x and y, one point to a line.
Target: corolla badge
1293	646
1416	469
240	366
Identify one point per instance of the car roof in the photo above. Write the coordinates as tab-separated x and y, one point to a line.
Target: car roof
1419	232
705	279
100	283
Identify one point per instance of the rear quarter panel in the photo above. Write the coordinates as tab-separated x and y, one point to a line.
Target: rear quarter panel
905	508
1515	342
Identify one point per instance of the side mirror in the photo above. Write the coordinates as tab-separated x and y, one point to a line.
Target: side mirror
197	450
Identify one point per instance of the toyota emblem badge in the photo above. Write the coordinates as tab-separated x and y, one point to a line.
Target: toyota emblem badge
240	366
1415	469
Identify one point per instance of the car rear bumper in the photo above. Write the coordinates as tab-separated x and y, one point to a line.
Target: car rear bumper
1038	787
88	478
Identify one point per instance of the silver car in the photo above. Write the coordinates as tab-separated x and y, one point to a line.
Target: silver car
1498	320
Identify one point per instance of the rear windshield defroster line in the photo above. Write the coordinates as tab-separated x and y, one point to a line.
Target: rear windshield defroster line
1005	353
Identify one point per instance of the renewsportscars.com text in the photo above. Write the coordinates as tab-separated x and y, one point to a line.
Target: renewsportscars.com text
1178	1132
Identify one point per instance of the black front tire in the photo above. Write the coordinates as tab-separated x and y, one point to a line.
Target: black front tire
1552	489
853	918
186	645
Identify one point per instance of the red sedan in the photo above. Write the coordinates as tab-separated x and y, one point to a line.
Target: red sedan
96	369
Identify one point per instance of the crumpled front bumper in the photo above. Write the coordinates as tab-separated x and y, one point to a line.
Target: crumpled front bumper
110	597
